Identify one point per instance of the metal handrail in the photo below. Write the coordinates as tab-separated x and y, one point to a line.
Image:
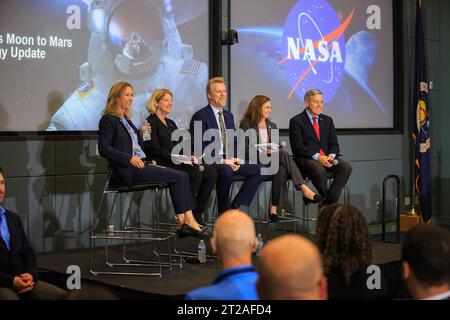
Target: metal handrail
383	208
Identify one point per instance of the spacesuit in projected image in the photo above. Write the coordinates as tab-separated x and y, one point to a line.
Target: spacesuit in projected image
135	41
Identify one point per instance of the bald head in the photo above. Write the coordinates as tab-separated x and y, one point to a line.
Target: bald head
234	236
290	267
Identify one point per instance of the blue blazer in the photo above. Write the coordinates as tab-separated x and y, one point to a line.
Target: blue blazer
114	144
303	137
208	120
20	258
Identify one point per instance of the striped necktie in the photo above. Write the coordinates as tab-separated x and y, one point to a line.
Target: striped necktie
223	133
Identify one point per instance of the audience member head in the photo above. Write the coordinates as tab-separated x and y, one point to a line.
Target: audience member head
2	186
426	260
216	92
343	238
115	94
234	239
158	97
314	101
259	108
290	268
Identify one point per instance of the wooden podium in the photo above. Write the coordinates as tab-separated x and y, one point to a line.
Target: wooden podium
408	221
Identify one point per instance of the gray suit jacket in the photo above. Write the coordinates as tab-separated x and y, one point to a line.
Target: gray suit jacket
245	125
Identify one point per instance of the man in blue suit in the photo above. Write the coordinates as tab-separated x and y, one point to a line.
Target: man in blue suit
18	265
315	147
215	117
234	241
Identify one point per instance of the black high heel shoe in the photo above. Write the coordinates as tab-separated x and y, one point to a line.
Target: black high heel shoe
187	231
317	198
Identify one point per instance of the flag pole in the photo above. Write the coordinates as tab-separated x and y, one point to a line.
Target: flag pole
413	212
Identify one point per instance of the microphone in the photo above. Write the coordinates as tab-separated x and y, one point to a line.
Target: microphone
153	163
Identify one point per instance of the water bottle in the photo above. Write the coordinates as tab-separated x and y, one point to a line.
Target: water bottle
110	230
146	135
260	244
201	249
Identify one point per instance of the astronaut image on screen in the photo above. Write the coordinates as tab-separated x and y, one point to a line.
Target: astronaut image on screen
135	41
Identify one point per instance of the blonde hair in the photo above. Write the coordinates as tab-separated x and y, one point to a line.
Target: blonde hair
156	97
211	82
116	91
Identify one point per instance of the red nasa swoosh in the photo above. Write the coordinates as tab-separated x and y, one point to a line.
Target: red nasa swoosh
334	35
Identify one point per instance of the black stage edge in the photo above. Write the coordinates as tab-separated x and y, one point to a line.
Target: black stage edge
175	283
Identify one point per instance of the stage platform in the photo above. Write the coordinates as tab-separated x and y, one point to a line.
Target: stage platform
174	283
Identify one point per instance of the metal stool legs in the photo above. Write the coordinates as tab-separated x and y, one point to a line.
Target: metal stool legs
129	234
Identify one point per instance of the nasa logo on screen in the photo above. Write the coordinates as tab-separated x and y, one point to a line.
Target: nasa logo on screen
314	48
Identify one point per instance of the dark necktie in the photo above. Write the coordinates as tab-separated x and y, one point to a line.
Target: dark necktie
223	133
317	129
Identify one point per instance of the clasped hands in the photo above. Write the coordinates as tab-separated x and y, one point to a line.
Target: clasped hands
23	283
234	163
137	162
326	161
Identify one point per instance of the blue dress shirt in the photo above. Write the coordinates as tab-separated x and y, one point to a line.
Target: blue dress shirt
231	284
4	231
137	150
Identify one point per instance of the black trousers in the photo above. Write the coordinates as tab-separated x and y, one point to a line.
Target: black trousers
178	181
287	169
202	183
318	174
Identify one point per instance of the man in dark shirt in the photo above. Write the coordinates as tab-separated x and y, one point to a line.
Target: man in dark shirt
426	262
18	267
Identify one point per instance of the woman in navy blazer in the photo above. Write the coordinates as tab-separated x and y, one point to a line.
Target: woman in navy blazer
256	118
121	144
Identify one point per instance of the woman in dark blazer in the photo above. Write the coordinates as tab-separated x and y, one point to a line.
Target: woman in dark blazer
159	148
256	118
121	144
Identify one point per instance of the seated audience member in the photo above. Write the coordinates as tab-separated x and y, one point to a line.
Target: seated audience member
18	266
343	239
256	118
121	144
159	148
233	240
426	262
214	118
315	147
290	268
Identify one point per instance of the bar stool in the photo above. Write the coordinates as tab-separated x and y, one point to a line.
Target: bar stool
129	233
305	214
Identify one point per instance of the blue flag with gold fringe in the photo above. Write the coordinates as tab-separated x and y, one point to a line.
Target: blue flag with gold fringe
421	123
